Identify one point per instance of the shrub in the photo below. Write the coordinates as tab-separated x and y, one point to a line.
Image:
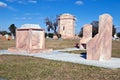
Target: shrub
59	35
50	35
118	34
46	35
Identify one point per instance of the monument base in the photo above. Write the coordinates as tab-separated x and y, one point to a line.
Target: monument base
14	49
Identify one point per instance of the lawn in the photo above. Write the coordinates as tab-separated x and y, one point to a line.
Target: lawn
5	44
13	67
30	68
55	44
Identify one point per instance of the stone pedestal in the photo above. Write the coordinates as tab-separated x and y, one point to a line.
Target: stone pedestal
87	35
30	40
100	47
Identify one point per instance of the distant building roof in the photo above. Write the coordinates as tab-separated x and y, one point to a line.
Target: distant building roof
66	16
26	26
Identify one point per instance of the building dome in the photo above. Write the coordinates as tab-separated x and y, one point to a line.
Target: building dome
66	16
26	26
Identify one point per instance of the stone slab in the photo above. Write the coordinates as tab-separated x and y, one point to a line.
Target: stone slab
87	35
13	49
100	47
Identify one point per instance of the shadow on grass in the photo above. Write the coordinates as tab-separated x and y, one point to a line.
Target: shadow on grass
83	55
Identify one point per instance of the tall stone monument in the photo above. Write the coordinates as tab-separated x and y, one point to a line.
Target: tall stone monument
66	23
30	38
100	47
87	35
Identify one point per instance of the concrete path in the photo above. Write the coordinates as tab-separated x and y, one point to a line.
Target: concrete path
68	57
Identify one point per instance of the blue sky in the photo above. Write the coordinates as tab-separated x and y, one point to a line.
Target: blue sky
20	12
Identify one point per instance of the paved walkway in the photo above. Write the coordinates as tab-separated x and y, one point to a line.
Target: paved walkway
68	57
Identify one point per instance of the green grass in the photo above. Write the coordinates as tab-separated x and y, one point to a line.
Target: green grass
5	44
14	67
30	68
61	44
116	49
55	44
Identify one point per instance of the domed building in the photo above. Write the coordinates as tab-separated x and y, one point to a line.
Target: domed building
66	24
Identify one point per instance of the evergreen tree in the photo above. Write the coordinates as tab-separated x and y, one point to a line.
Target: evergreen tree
12	29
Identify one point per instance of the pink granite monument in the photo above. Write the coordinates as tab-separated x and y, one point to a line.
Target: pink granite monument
87	35
66	23
100	47
30	38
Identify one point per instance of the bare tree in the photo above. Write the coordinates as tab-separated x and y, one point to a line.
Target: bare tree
51	25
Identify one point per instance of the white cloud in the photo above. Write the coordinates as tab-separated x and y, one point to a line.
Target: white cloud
16	1
20	2
32	14
32	1
27	14
41	18
2	4
79	3
22	18
94	0
23	1
11	8
10	0
51	0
